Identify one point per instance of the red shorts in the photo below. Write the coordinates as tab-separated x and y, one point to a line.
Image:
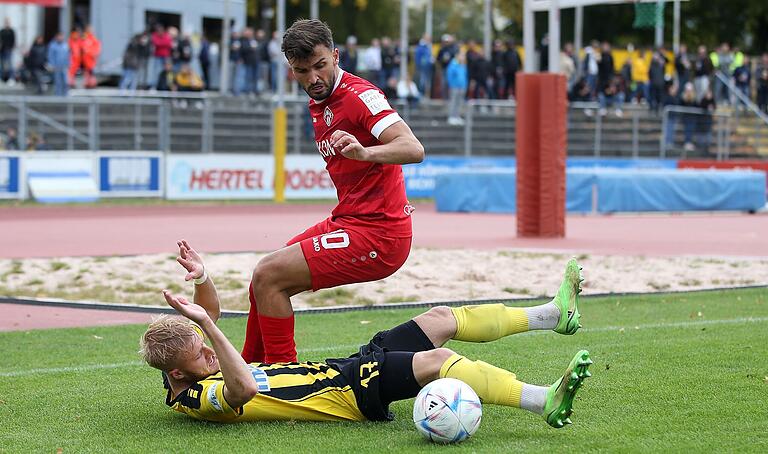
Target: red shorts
339	255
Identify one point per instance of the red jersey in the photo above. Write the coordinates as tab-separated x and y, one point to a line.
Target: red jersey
370	194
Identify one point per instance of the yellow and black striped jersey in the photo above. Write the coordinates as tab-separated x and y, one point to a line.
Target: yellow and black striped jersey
307	391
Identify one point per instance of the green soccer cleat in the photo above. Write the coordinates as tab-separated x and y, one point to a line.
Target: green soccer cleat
559	404
567	299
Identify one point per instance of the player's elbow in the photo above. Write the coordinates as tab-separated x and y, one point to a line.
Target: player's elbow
418	152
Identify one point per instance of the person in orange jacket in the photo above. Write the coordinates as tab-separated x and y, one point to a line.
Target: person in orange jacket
84	52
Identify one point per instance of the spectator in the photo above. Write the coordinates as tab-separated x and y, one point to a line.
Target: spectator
605	67
671	99
163	43
761	77
182	52
448	50
688	99
512	64
591	67
581	92
348	56
166	80
236	75
544	54
742	76
568	64
702	71
251	59
7	44
130	79
423	61
626	74
58	60
187	80
276	58
36	62
640	76
721	61
708	105
145	51
36	142
205	61
84	50
657	80
683	66
611	95
372	61
457	80
262	75
390	60
497	64
408	91
11	139
390	88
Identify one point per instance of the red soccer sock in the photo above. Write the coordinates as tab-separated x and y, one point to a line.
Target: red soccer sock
278	339
253	348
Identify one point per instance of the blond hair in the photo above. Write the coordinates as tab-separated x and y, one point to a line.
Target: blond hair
165	338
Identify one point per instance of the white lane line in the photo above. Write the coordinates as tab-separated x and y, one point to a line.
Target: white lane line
351	347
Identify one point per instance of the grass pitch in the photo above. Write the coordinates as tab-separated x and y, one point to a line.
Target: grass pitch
678	372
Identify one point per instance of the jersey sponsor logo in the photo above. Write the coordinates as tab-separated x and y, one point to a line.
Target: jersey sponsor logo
316	244
212	397
375	101
408	209
328	116
325	148
262	381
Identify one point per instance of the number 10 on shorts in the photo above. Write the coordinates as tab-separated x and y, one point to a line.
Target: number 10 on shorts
333	240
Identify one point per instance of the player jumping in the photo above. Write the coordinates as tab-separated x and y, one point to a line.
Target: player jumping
368	235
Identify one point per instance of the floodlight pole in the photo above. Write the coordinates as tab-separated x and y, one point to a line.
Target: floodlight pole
554	36
487	29
403	40
578	30
659	23
225	38
314	9
676	28
529	61
428	20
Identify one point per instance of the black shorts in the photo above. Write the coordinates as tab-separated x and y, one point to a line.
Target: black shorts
381	372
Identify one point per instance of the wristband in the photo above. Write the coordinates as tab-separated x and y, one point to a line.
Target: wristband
201	280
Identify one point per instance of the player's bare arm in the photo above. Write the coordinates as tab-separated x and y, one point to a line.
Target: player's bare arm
205	290
399	146
239	384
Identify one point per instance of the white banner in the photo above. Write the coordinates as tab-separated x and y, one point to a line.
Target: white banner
236	176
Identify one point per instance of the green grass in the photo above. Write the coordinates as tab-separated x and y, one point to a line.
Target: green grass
672	373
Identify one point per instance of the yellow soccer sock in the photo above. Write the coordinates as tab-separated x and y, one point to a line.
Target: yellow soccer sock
488	322
492	384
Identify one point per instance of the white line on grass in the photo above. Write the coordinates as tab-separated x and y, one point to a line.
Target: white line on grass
90	367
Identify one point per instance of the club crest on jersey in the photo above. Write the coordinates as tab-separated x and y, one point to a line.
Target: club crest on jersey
327	116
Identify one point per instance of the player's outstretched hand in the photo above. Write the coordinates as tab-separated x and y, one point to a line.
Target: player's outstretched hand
190	260
348	145
190	310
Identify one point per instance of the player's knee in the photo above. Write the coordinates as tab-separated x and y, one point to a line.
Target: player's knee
441	312
438	357
263	274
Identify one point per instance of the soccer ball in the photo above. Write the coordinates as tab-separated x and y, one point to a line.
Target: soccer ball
447	411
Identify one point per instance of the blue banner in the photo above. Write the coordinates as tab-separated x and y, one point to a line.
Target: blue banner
129	175
9	177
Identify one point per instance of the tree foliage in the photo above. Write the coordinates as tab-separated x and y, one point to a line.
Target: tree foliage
742	23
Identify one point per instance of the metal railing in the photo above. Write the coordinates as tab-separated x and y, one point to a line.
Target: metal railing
204	122
698	125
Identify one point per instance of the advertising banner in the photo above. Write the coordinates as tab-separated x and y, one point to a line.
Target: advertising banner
11	186
130	174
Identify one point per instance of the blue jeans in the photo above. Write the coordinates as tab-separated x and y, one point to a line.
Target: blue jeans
60	85
6	66
158	64
424	78
237	78
130	80
252	78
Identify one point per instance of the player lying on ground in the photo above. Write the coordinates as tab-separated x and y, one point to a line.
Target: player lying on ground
367	237
215	383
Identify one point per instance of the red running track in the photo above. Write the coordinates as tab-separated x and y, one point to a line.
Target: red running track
54	231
